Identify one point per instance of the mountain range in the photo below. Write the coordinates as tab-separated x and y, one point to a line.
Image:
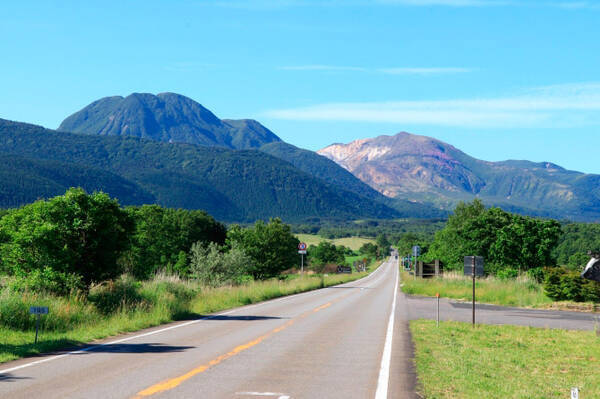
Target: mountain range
423	169
170	150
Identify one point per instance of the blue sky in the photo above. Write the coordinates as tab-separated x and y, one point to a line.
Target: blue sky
497	79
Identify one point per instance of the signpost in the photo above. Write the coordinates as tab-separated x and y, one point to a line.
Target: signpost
416	250
38	310
474	267
302	252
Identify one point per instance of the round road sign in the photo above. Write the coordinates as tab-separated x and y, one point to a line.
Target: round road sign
302	246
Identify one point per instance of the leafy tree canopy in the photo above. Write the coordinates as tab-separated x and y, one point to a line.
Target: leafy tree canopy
164	236
271	245
505	240
75	233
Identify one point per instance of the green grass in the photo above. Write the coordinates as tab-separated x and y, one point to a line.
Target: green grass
521	292
129	305
459	361
354	243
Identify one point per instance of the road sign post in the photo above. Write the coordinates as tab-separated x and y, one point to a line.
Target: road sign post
474	268
38	311
302	252
437	295
416	250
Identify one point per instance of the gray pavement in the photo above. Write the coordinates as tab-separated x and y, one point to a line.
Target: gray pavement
321	344
327	343
425	308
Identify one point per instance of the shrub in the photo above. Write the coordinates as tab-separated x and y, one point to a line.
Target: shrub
112	295
537	273
212	266
504	274
46	280
565	285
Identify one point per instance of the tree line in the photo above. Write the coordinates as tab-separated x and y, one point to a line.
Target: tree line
74	240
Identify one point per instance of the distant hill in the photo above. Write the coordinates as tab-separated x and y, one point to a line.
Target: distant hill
229	184
167	117
419	168
329	171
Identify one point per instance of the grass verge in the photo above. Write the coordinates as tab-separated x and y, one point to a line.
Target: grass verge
521	292
354	243
128	305
459	361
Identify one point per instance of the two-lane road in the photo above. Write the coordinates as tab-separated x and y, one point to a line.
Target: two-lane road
337	342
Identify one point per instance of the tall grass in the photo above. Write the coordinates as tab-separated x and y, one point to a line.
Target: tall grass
129	305
521	291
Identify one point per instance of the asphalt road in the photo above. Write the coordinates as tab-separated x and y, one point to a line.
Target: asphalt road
425	308
338	342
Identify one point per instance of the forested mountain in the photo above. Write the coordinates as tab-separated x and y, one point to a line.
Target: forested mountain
419	168
229	184
25	180
165	117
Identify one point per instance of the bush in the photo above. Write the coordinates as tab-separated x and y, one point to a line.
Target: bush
46	280
507	273
537	273
112	295
213	266
565	285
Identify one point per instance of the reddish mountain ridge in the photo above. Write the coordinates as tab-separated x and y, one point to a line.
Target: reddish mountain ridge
420	168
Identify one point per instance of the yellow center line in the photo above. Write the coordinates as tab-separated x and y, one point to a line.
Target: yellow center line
174	382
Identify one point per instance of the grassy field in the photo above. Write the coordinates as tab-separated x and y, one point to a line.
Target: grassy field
459	361
521	292
128	305
353	243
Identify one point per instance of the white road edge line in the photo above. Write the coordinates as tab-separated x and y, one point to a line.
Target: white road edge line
386	358
279	395
118	341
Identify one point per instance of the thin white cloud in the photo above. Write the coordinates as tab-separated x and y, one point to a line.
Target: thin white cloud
423	71
321	68
280	4
447	3
388	71
577	5
546	107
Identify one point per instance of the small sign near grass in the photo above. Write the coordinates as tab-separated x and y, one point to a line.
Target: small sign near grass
38	310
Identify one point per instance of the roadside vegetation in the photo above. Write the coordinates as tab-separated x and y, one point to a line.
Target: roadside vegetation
102	269
457	360
128	305
528	261
521	291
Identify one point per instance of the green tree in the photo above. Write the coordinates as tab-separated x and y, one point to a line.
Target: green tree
505	240
368	249
75	233
325	253
272	246
408	240
384	244
164	236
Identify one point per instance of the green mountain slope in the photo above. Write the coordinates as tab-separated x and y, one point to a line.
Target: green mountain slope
26	180
165	117
231	185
